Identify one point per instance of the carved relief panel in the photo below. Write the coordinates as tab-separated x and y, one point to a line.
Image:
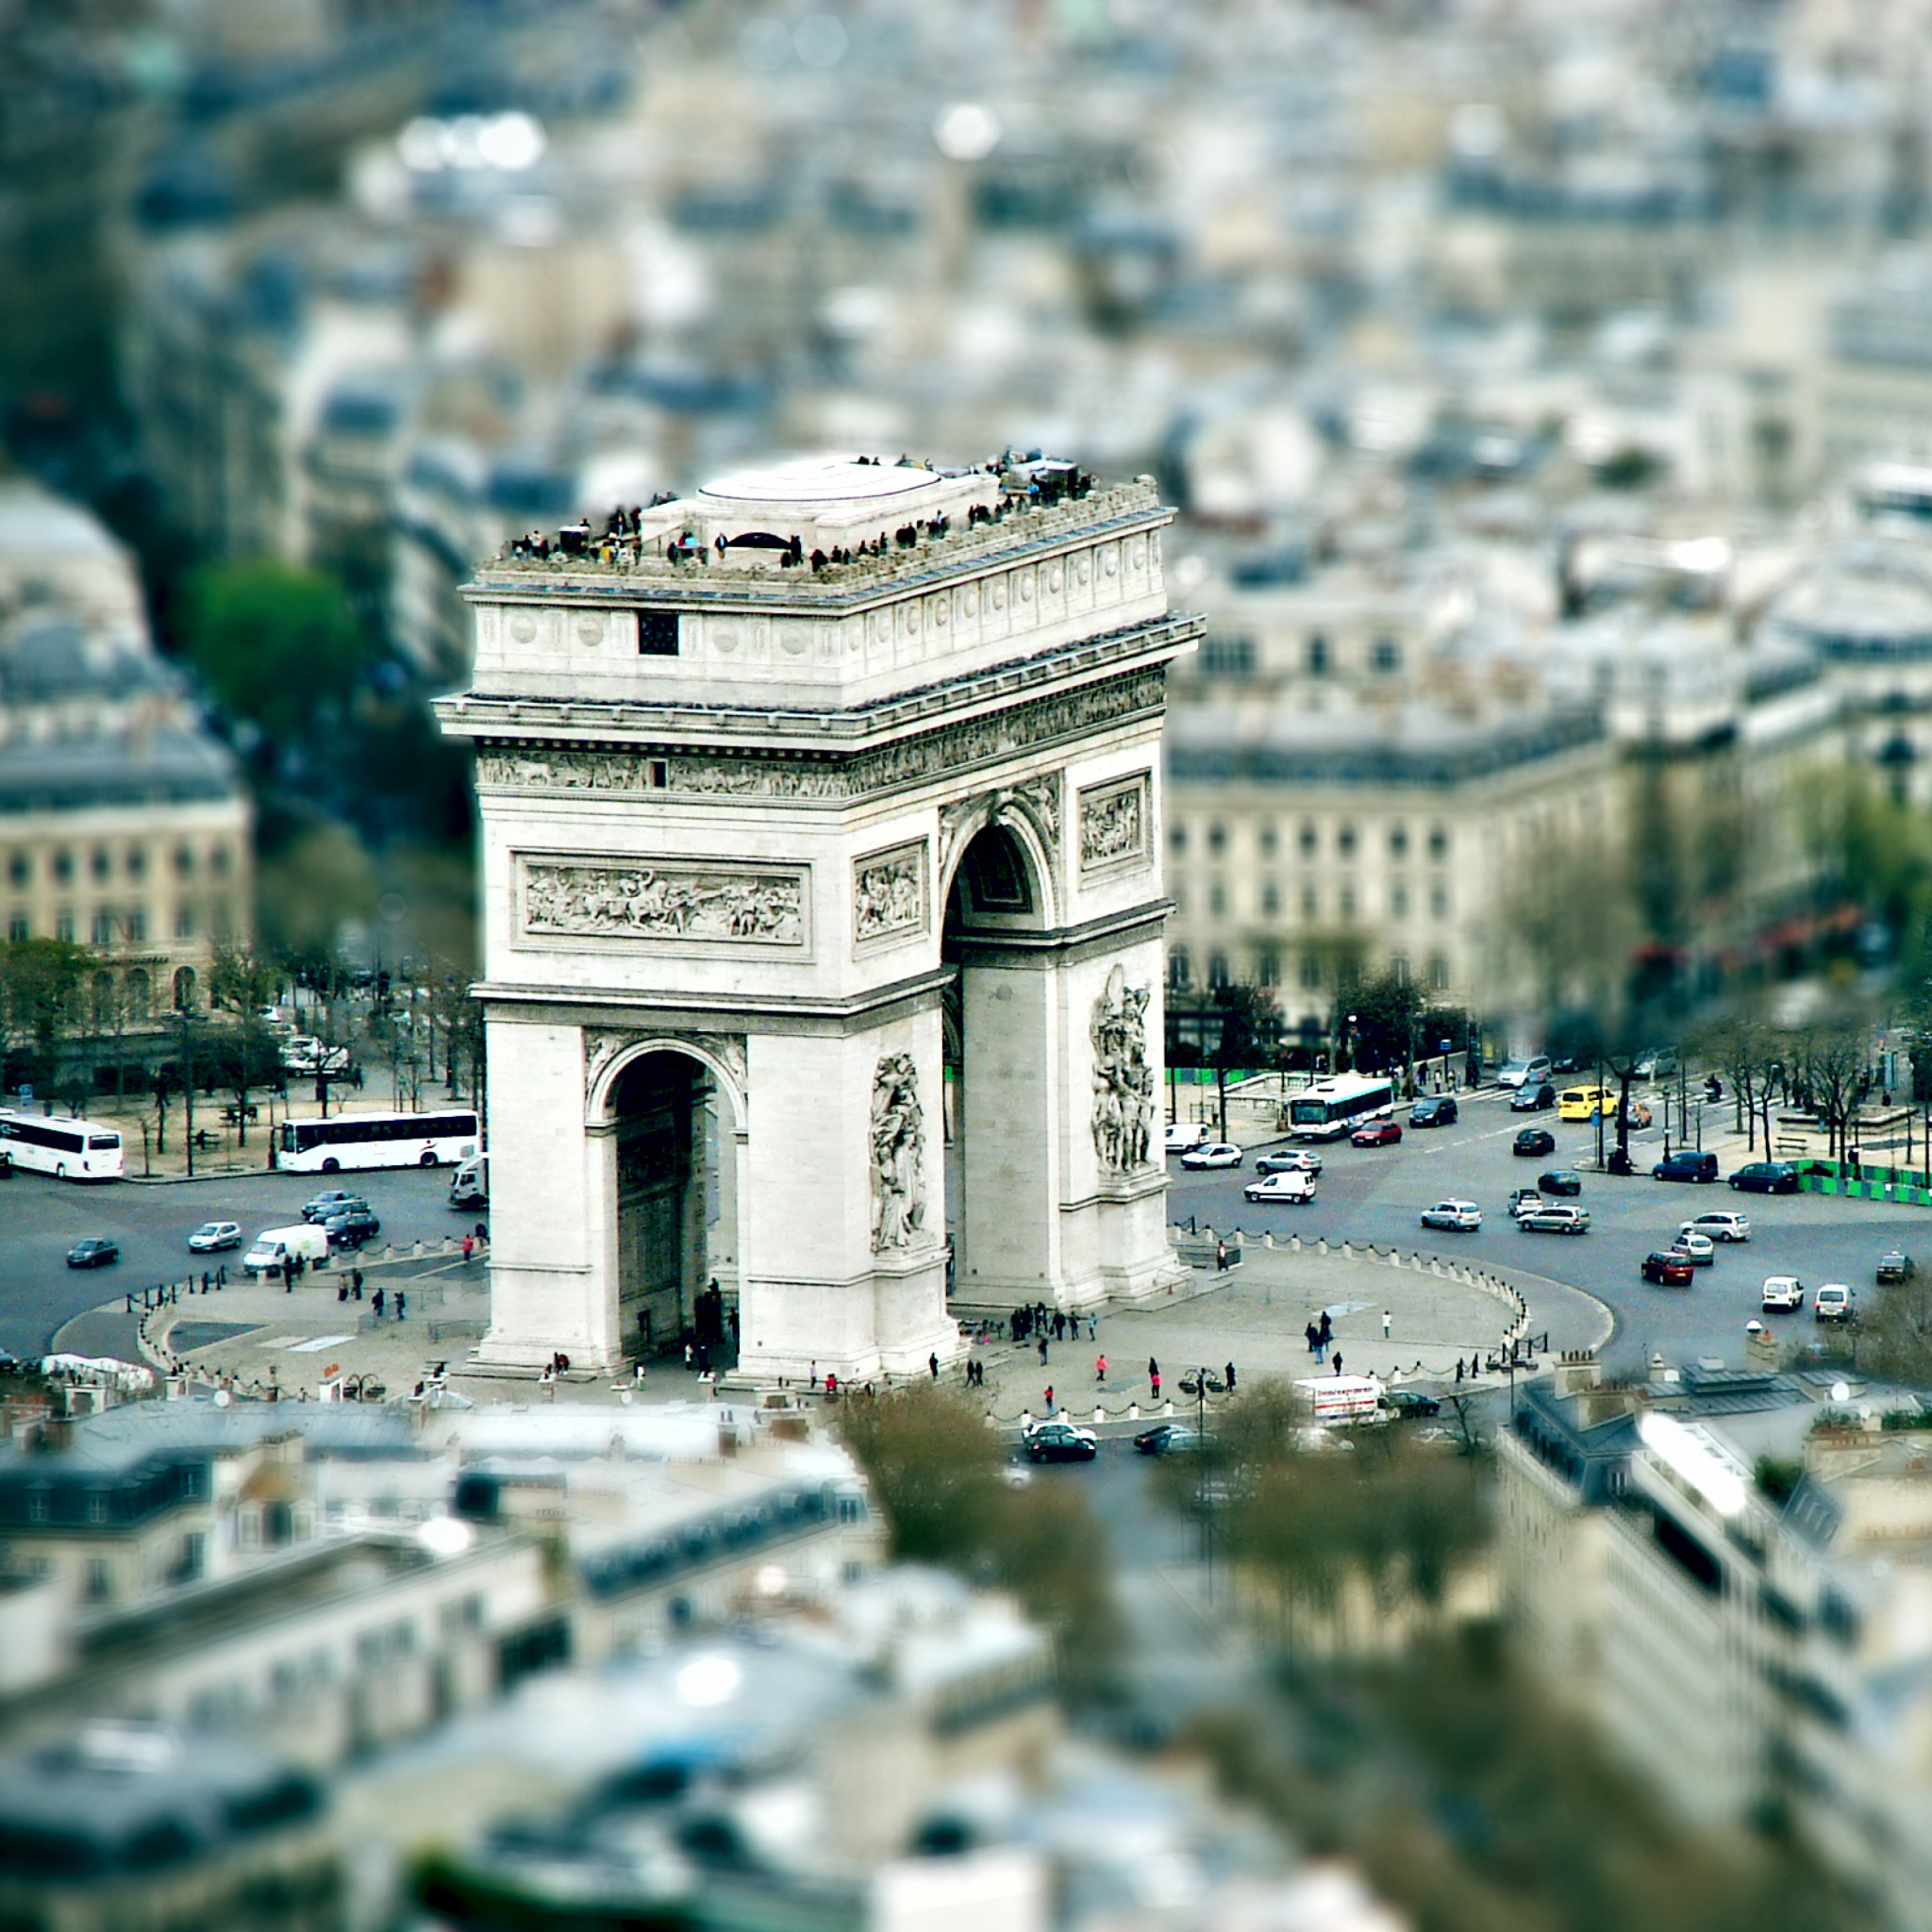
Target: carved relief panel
1116	825
890	895
663	901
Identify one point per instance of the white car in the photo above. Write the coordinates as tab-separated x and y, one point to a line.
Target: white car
1783	1295
213	1236
1292	1187
1833	1303
1183	1137
1719	1226
1455	1214
1697	1248
1216	1154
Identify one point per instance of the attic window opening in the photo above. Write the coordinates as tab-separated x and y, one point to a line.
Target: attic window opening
657	633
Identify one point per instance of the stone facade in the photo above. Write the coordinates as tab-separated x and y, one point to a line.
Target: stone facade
873	852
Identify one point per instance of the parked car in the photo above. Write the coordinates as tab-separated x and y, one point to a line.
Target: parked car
1896	1266
1534	1141
1533	1098
1766	1177
1686	1164
1059	1443
1522	1200
1294	1186
1216	1154
351	1227
1183	1136
331	1201
1554	1219
1529	1071
1783	1295
1168	1439
1409	1404
1655	1064
1383	1133
1698	1249
1289	1161
211	1237
1722	1225
1668	1267
1433	1111
1459	1215
1834	1302
1561	1180
96	1251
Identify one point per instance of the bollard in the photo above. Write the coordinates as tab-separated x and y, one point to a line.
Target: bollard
1099	1413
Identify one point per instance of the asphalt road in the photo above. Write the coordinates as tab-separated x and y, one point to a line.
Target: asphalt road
1378	1194
42	1218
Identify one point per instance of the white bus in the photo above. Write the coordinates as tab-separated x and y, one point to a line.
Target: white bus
1335	1108
73	1150
376	1139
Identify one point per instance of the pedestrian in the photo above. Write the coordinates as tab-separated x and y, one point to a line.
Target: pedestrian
469	1246
375	1303
1092	1327
1042	1351
1313	1338
482	1234
1049	1398
1100	1368
1221	1257
1153	1379
222	1276
1325	1329
1387	1322
1228	1372
932	1362
831	1385
1459	1371
402	1304
342	1290
1338	1362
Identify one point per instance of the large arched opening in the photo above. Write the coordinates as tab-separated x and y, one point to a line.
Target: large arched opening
674	1135
997	1051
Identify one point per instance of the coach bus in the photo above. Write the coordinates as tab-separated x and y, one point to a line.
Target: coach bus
376	1139
72	1150
1334	1108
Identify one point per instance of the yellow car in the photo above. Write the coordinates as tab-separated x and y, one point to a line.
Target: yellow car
1583	1103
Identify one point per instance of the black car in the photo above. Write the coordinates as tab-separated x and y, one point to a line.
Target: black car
332	1200
1433	1111
1534	1141
1897	1266
1559	1180
1766	1177
1527	1099
1059	1442
1409	1404
1686	1164
1167	1439
95	1253
352	1226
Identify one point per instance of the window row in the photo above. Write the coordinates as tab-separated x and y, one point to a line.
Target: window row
128	926
1311	970
1269	838
63	863
1272	903
127	999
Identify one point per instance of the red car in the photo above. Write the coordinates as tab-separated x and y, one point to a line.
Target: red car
1377	1134
1668	1267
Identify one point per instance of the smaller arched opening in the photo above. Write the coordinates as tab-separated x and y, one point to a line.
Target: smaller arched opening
674	1124
186	999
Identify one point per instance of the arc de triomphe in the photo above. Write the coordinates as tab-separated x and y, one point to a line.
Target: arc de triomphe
823	910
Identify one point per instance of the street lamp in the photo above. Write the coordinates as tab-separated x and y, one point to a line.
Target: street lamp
1197	1385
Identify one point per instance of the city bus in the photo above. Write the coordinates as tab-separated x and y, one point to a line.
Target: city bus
73	1150
376	1139
1332	1110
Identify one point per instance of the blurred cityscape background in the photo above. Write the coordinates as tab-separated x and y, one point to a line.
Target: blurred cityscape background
1546	393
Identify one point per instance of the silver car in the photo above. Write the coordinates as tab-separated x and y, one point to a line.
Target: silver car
1464	1216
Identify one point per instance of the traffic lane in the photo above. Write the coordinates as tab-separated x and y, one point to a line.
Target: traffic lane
41	1218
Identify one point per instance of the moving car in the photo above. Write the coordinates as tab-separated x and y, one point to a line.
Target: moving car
1530	1071
1059	1443
1409	1404
1637	1115
1433	1111
1455	1214
1294	1186
1722	1225
1561	1180
1766	1177
1582	1103
1215	1154
1183	1137
1522	1200
1667	1268
1290	1160
1783	1295
1698	1249
1686	1164
351	1227
1554	1219
1533	1098
96	1251
1377	1134
1534	1141
1896	1266
211	1237
1168	1439
331	1201
1833	1303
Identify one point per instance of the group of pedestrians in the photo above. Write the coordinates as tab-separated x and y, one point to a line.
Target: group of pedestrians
1320	1336
1042	1323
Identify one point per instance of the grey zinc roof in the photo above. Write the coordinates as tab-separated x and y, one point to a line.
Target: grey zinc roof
169	765
126	1437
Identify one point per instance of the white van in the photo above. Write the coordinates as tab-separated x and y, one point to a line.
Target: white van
275	1247
469	1185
